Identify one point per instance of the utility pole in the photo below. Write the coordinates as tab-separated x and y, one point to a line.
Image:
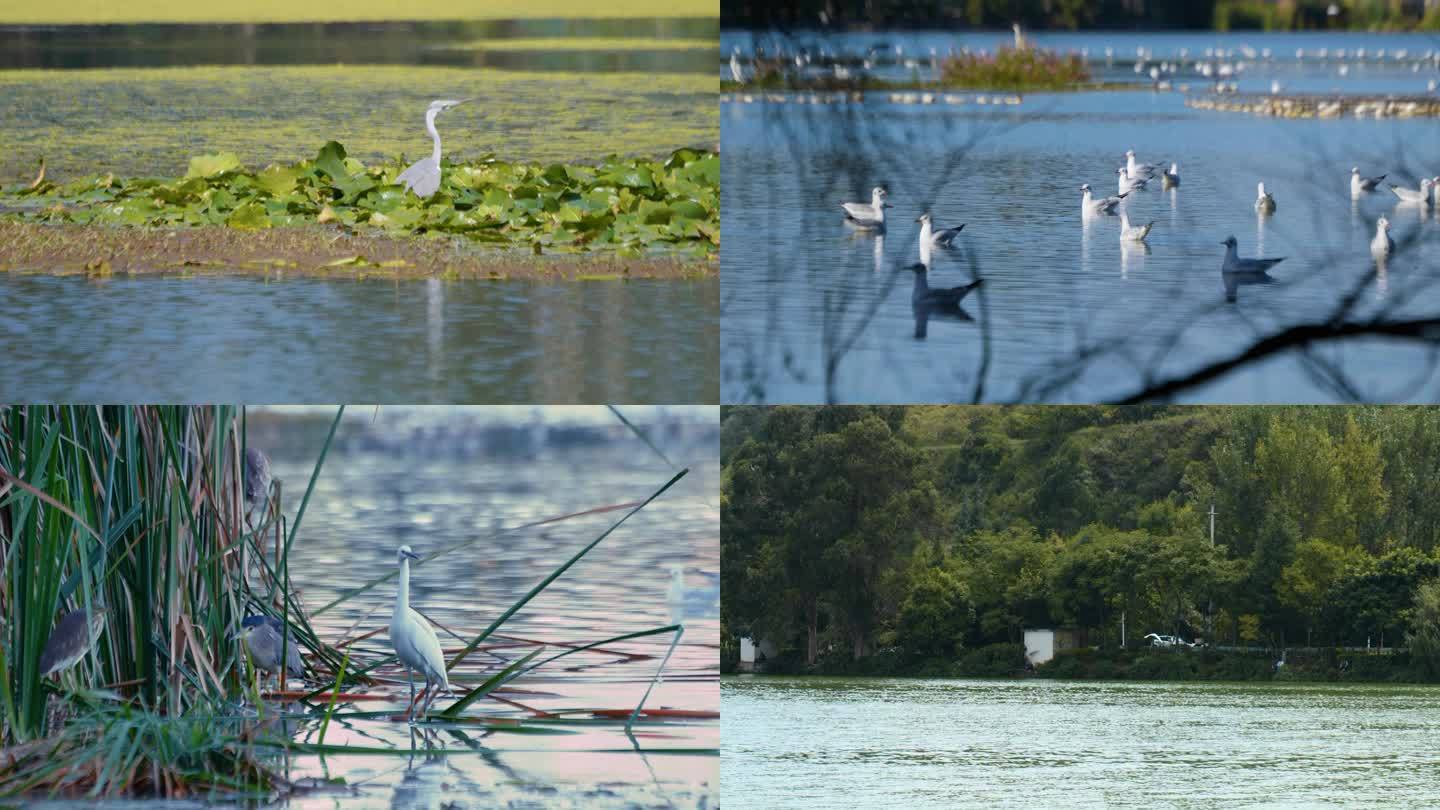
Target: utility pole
1210	604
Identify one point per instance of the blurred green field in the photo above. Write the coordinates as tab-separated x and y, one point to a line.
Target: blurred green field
151	121
35	12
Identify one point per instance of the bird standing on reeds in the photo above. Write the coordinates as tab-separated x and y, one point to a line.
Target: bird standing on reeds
264	637
257	485
414	640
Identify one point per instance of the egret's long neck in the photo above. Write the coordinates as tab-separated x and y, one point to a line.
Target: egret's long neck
402	594
430	128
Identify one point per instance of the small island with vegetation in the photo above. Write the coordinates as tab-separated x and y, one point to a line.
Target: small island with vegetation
1271	543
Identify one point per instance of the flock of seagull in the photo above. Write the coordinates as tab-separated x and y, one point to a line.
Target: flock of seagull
1136	176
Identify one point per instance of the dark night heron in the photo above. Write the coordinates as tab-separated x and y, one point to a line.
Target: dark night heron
73	637
423	176
257	484
263	637
414	640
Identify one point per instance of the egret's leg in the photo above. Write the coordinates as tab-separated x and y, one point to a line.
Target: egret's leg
679	631
410	710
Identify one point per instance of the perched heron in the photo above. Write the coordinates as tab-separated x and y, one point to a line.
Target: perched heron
257	484
414	639
423	176
675	603
264	636
72	638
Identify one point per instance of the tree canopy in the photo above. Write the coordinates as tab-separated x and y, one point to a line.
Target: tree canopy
922	531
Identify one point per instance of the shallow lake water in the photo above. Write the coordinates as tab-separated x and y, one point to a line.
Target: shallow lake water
248	339
815	310
431	477
1039	743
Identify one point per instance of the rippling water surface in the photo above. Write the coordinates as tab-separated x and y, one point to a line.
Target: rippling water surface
246	339
1038	743
815	310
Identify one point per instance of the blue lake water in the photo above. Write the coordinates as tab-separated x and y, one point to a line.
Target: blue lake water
815	310
248	339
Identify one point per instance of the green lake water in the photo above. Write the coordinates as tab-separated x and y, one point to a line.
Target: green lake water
832	742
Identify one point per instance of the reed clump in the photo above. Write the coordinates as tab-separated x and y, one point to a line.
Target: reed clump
1014	69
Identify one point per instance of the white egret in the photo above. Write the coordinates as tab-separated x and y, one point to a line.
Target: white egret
675	604
415	641
423	176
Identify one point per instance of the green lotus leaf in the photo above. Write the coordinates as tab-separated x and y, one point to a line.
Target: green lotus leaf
249	215
278	180
212	165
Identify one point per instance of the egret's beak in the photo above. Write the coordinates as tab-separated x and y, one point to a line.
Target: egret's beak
410	554
466	100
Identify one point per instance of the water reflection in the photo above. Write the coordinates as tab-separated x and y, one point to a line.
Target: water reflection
395	43
943	303
1234	281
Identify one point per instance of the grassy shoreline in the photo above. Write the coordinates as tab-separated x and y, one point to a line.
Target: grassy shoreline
1132	664
305	251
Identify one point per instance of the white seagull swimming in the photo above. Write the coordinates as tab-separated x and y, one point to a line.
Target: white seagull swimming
1363	185
1129	233
1136	169
1264	203
929	234
1234	264
1090	205
1171	179
1129	182
868	216
1421	197
1382	245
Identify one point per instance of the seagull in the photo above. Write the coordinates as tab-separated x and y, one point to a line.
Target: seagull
1133	234
1421	197
1361	185
1234	264
1129	182
944	237
1090	205
1171	179
1382	245
868	216
1135	169
1435	185
1264	203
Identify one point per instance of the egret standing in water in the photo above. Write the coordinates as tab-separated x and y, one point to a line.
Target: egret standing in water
423	176
675	603
413	638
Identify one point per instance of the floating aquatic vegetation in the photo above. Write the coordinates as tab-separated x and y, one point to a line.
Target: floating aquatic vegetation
632	206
